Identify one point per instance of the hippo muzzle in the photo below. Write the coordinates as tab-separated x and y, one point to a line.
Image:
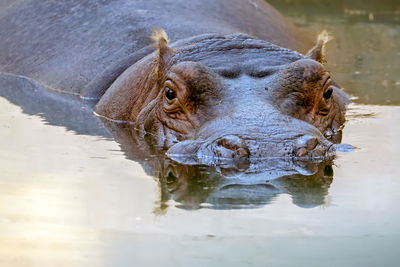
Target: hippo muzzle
246	143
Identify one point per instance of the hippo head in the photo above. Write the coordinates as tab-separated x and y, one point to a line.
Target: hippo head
221	99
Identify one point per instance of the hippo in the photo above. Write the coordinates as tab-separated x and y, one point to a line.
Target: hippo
206	82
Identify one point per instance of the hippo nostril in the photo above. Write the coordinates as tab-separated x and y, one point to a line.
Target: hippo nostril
232	145
319	151
231	142
242	152
302	152
305	144
307	141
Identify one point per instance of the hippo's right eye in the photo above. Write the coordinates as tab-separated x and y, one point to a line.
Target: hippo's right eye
169	93
328	93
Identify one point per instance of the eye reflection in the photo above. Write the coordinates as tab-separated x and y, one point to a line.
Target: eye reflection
169	93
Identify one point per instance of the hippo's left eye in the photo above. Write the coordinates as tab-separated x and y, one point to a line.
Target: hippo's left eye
169	93
328	93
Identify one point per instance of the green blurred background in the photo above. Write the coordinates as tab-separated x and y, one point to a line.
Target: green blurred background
364	56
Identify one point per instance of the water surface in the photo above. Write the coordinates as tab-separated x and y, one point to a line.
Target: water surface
364	54
75	200
70	195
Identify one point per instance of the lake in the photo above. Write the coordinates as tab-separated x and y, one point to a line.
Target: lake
71	196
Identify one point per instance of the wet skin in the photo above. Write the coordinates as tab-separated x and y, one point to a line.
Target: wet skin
213	99
229	99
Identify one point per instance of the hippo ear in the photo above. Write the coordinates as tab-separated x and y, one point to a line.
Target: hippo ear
317	53
164	52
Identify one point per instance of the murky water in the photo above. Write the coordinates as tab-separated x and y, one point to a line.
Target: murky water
70	195
364	54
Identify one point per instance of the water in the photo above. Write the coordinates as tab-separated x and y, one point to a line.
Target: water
70	195
364	54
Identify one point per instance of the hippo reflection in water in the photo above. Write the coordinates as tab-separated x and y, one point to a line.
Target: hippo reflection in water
225	186
229	91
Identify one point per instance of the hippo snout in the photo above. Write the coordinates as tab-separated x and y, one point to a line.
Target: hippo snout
233	150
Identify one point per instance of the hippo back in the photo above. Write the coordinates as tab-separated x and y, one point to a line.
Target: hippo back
67	45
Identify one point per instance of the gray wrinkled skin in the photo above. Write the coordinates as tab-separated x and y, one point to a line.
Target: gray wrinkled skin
245	98
80	47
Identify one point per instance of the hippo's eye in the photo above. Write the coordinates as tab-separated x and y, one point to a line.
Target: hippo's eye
328	93
169	93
